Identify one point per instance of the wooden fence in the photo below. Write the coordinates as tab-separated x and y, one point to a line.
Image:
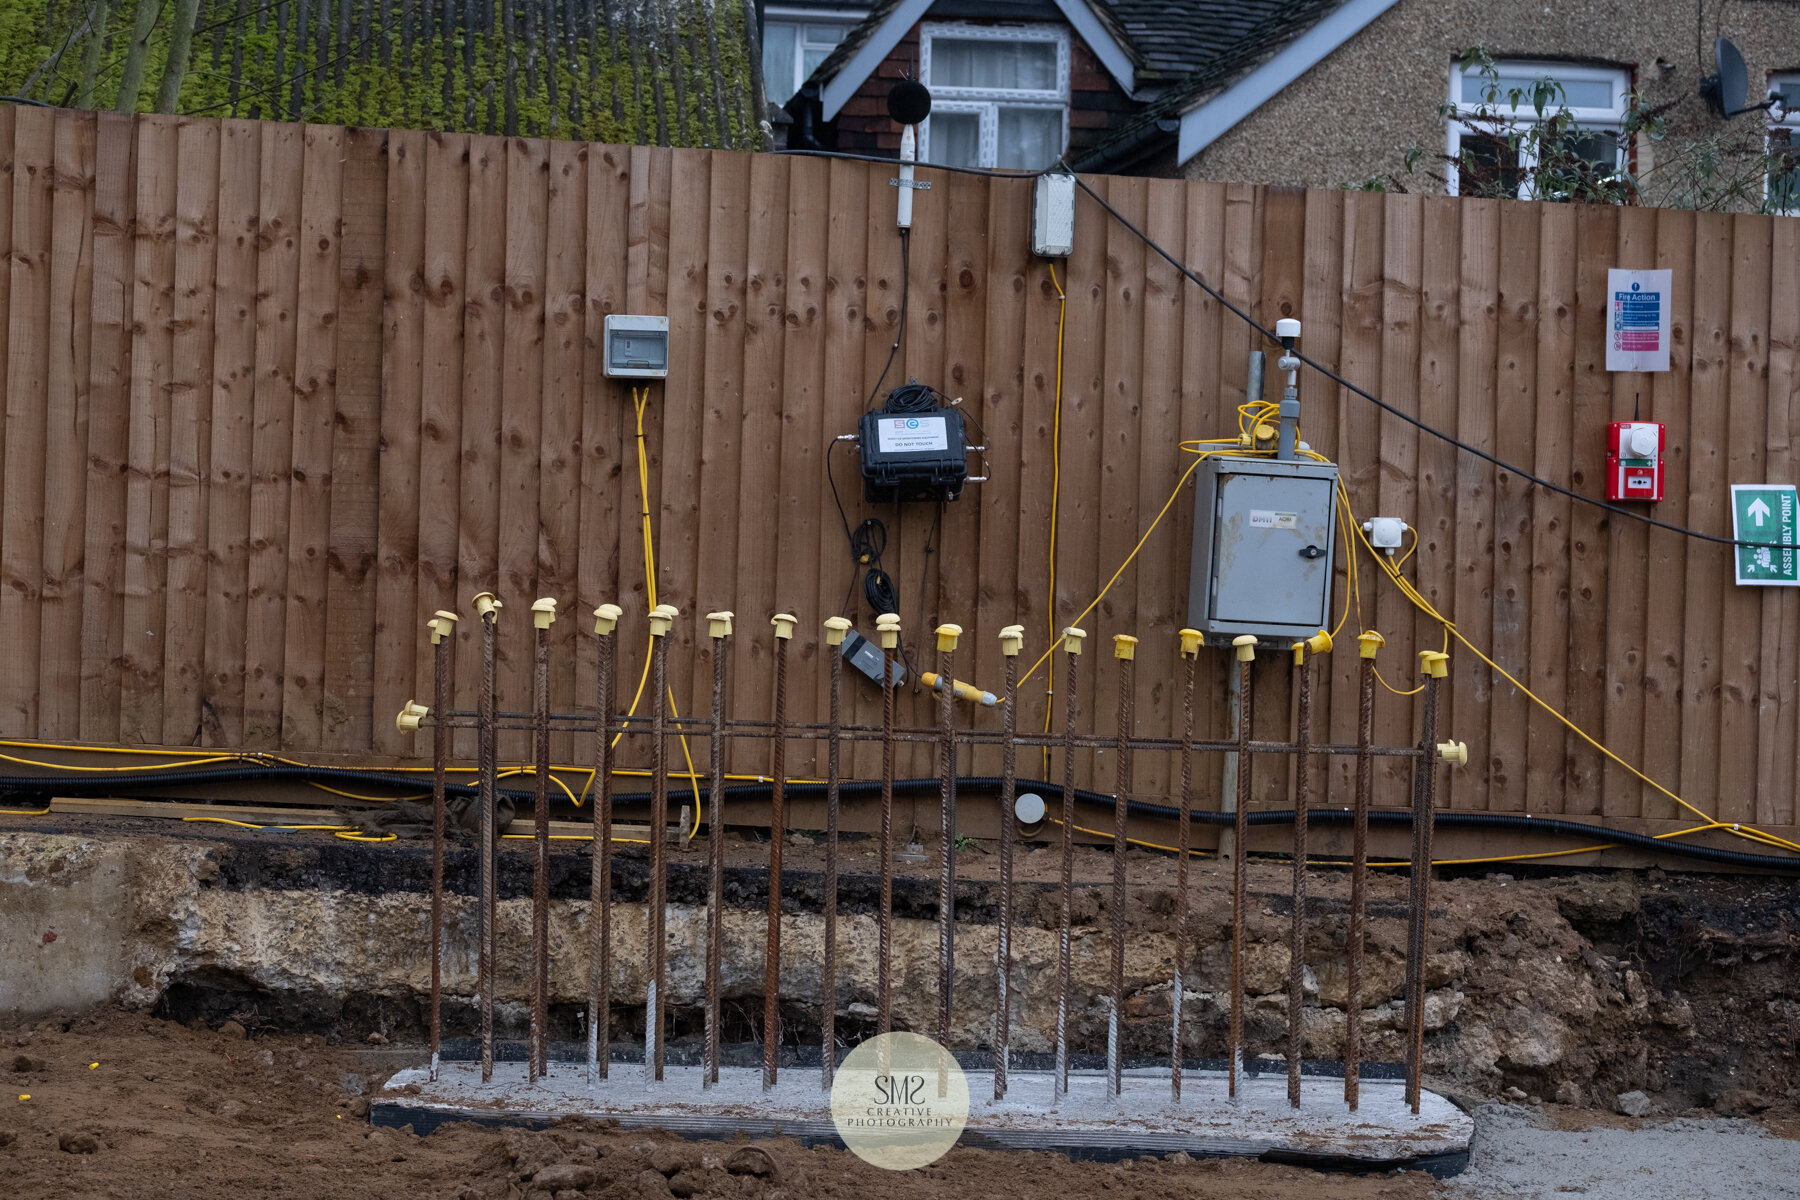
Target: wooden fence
275	392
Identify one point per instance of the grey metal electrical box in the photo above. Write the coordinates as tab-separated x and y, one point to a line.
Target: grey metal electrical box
1262	548
636	347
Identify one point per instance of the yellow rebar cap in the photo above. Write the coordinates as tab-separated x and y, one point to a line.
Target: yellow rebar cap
1246	646
606	618
1368	642
1434	663
661	618
887	628
1454	753
784	625
1124	646
836	629
487	604
718	624
410	716
947	635
442	624
1012	640
1071	639
543	612
1191	640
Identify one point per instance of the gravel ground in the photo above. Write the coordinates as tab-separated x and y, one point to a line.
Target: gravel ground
1520	1152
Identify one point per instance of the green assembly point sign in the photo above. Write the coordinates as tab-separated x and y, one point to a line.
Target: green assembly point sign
1766	513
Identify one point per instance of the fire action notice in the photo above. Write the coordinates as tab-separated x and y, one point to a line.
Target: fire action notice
1637	334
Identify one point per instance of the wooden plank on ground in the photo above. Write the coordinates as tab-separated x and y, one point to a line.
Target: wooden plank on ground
109	407
277	298
1473	613
147	512
350	707
233	433
66	429
1780	675
185	720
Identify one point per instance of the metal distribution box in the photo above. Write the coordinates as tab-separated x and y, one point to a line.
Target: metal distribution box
1262	548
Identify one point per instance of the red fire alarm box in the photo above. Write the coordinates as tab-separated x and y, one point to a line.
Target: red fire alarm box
1634	460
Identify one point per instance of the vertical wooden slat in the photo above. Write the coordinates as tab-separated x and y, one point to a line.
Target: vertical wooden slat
350	706
233	434
109	406
1780	674
965	300
9	182
66	428
1120	362
147	513
185	721
1440	320
1473	685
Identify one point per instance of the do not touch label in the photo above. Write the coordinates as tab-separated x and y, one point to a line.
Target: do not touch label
911	435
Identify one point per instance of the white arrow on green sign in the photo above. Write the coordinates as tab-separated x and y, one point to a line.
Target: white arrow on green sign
1768	514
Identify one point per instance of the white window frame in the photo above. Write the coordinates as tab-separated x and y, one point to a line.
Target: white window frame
986	103
800	18
1790	122
1600	120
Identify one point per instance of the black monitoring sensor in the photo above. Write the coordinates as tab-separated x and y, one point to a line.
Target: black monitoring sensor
913	449
909	102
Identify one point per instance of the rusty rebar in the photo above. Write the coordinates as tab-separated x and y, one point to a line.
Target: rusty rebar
1359	879
715	869
540	863
1183	840
488	765
1419	898
1240	847
659	827
440	757
828	1001
884	999
1297	927
772	947
600	870
1115	1070
946	923
1066	912
1009	766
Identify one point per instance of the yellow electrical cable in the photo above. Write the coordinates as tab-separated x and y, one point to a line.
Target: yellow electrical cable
192	762
1129	841
23	812
359	837
1062	313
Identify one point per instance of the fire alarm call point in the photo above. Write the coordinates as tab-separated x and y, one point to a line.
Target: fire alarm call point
1634	460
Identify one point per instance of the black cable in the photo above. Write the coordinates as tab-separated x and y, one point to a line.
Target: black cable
900	330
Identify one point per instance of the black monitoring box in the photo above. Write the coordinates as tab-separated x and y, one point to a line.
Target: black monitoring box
913	455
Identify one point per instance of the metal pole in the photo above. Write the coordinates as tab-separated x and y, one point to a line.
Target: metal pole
835	629
489	608
1124	649
1297	928
1072	644
606	619
1359	867
946	665
784	631
661	617
441	626
1012	638
1246	653
715	851
1419	898
1190	651
542	613
888	629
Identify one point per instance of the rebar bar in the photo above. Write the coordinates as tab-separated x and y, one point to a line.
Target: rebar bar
946	930
772	947
828	1001
1183	839
600	871
1239	852
440	756
1297	928
488	763
1066	894
1115	1072
1359	880
659	824
715	869
1419	898
884	999
1009	765
540	864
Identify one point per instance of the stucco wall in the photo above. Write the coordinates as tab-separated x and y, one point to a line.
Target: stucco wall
1354	114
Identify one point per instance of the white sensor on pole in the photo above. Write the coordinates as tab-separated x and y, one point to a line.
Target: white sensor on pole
908	156
1288	331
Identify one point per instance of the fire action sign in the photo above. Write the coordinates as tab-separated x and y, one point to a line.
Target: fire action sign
1637	332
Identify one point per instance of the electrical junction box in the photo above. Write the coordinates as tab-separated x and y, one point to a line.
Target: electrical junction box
1053	215
1262	548
913	455
635	347
1634	460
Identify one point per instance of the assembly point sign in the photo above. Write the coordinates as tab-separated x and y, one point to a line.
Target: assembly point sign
1765	514
899	1101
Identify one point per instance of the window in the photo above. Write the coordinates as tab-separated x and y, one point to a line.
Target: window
999	94
1784	146
1509	93
795	42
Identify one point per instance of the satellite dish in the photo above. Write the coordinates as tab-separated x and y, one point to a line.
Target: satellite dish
1725	91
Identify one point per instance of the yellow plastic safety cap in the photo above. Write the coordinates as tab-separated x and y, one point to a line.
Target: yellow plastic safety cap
1012	640
887	628
1246	646
1319	643
784	625
410	716
836	628
1368	642
606	618
1434	663
661	618
487	604
1454	753
543	612
947	635
1124	646
718	624
442	624
1072	639
1190	643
